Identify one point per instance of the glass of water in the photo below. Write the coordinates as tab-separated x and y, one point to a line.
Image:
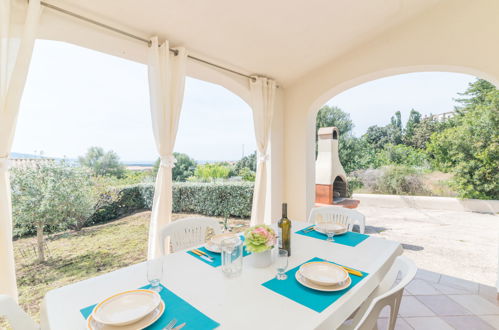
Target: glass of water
155	273
282	264
232	256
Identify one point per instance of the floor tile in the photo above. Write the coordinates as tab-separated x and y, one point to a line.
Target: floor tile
427	275
476	304
410	306
447	289
428	323
401	324
443	305
493	320
459	283
468	322
420	287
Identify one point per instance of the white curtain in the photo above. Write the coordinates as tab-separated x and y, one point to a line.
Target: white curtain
166	88
15	55
262	102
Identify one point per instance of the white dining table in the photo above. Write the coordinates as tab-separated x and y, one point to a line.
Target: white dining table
236	303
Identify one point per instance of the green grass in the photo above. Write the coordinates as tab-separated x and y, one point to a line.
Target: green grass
75	256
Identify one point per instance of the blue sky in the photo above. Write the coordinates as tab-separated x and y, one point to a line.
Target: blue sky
76	98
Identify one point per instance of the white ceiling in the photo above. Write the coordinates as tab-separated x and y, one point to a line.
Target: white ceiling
283	39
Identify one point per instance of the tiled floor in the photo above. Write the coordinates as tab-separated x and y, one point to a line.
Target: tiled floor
436	301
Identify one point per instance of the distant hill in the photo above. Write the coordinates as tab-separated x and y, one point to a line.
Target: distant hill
24	156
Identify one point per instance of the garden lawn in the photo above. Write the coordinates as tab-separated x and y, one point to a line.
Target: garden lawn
75	256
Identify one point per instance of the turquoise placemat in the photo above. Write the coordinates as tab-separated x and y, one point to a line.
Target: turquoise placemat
217	257
175	307
313	299
349	238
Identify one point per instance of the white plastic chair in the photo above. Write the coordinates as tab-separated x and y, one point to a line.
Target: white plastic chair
18	319
388	293
338	214
188	232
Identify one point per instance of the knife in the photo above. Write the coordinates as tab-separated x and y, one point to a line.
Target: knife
180	326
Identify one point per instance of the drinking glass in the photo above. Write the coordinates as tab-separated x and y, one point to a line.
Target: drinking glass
155	273
232	256
329	232
282	264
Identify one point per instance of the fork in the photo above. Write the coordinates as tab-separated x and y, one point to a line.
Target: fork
170	325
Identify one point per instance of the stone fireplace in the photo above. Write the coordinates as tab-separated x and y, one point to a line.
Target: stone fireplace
330	178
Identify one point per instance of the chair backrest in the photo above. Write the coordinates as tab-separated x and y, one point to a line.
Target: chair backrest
17	318
188	232
388	293
338	214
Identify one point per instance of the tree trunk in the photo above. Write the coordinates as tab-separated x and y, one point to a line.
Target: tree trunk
39	238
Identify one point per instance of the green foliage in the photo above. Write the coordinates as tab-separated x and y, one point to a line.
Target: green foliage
401	180
102	163
422	132
211	199
401	155
470	149
50	196
393	179
214	199
210	172
355	153
184	167
410	127
248	162
333	116
247	174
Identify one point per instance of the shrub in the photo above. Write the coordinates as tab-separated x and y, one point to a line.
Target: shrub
400	180
211	199
394	179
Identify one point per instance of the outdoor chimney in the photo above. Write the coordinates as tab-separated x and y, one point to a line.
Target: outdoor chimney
330	177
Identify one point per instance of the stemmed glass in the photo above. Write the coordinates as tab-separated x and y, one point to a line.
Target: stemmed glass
282	264
329	232
155	273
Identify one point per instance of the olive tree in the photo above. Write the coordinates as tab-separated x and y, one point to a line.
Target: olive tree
51	194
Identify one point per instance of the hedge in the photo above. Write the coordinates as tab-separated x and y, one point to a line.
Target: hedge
232	199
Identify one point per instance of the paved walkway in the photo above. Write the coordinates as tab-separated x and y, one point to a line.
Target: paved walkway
459	244
441	302
456	253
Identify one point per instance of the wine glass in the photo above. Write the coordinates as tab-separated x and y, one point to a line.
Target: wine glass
329	232
282	264
155	273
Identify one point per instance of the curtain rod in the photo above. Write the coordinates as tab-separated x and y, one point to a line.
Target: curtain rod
148	42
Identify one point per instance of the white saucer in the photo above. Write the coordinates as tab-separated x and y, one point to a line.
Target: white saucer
309	284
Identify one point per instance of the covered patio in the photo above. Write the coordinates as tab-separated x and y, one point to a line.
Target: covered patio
285	59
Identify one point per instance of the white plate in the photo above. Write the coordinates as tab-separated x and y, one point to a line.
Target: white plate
303	281
126	307
214	244
324	273
340	231
144	322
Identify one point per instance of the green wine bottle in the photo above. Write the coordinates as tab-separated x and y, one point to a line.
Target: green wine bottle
284	230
